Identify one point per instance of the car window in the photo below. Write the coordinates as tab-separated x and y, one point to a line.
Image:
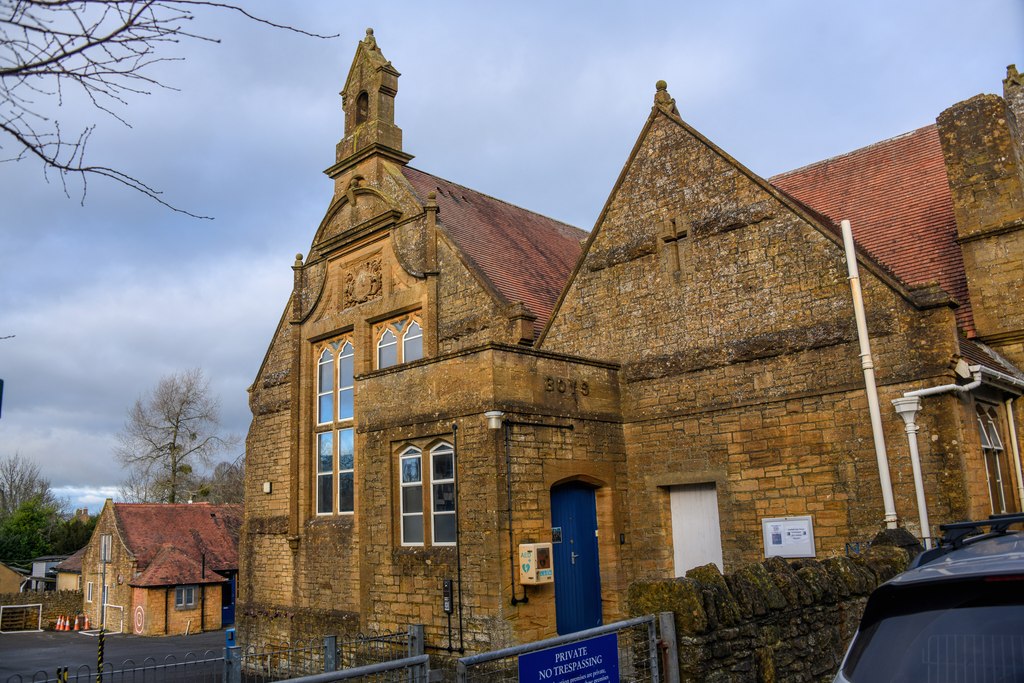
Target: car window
965	631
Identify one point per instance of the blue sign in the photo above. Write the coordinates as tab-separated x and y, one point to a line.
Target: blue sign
594	660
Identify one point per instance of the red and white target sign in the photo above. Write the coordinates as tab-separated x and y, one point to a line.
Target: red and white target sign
140	619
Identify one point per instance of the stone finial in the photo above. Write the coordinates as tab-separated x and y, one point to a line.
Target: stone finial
1013	93
664	101
298	261
369	41
1013	77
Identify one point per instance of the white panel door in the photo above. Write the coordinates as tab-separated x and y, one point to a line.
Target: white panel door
696	534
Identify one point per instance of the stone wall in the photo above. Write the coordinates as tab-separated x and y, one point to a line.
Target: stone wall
773	621
55	603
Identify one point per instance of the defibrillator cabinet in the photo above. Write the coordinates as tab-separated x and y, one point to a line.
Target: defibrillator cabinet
535	564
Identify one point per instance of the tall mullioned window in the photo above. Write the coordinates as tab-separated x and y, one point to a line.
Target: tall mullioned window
334	435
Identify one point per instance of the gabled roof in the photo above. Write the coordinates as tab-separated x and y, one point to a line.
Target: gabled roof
72	565
896	196
198	530
174	567
524	256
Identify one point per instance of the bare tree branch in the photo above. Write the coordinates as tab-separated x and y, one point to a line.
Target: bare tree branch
168	434
105	49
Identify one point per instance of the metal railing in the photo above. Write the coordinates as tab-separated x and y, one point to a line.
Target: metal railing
305	658
205	667
405	670
636	647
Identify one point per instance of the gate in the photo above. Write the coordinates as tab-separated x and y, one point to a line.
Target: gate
626	648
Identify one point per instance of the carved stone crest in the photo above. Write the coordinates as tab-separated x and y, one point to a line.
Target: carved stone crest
362	284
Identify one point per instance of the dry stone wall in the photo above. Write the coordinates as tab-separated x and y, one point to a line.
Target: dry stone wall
771	621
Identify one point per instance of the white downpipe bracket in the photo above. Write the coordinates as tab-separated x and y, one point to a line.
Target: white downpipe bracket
907	408
869	378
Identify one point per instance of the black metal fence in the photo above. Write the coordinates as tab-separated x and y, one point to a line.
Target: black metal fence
204	667
284	662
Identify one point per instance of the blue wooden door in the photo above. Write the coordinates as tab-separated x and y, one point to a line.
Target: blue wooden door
227	608
577	571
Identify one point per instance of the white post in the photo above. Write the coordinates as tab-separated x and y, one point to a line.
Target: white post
907	408
869	378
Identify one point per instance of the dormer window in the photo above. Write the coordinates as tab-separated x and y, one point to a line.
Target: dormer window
362	107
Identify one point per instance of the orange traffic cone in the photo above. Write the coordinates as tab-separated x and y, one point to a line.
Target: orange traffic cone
87	625
60	624
64	623
78	622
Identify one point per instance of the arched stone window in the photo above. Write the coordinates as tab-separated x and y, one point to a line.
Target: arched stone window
362	107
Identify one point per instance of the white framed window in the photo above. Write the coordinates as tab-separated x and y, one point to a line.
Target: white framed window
411	495
334	451
412	342
442	494
427	495
88	592
346	381
399	341
325	473
996	466
325	388
387	349
184	597
105	543
346	470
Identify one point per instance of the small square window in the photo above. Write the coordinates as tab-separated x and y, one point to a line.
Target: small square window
184	597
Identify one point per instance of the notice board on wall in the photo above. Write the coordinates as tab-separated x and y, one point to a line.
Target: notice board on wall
788	536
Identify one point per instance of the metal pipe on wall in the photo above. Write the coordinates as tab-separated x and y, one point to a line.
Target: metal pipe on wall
868	366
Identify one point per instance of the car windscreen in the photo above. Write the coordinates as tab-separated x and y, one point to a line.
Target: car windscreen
964	631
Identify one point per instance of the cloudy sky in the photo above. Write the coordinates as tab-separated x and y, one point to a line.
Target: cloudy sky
535	103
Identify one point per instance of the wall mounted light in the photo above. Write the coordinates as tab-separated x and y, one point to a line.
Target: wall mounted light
494	419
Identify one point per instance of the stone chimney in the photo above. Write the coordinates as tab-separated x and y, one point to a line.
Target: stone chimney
985	168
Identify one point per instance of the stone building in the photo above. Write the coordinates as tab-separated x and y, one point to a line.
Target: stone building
161	568
454	376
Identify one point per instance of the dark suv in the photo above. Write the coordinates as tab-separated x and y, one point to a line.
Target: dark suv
957	614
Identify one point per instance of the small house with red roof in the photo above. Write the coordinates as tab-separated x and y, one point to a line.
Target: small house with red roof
161	568
455	379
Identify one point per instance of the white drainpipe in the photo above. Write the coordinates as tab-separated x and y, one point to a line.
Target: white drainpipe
1015	448
869	378
907	408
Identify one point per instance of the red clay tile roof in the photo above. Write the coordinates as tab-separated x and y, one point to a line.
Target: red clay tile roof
896	196
194	529
174	567
978	354
524	256
72	565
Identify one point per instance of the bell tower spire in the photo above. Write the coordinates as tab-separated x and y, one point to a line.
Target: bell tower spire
368	101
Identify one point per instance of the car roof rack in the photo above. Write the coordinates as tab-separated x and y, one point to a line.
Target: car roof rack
957	533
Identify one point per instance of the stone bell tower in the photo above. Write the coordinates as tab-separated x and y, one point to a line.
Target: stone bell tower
368	100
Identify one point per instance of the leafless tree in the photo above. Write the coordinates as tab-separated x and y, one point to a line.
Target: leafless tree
170	432
104	48
21	480
226	483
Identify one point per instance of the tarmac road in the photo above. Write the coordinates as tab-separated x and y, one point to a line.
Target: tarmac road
28	653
